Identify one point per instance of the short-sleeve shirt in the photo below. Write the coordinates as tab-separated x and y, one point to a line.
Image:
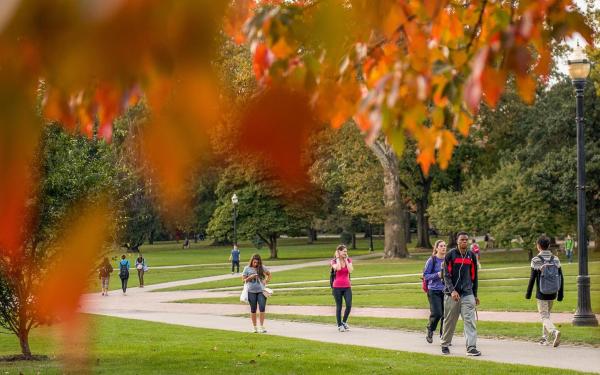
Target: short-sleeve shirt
254	285
475	248
235	255
342	277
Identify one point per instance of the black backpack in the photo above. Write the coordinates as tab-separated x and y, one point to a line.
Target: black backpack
123	271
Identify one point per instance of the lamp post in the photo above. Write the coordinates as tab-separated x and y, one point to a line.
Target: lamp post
234	201
579	68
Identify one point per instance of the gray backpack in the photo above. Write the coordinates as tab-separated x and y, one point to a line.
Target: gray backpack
549	277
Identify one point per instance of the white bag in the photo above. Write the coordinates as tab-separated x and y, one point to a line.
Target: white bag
146	268
267	292
244	295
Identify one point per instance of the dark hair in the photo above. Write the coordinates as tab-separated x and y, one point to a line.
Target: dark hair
123	256
259	268
543	242
461	234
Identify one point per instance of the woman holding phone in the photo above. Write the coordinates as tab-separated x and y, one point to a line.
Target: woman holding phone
342	267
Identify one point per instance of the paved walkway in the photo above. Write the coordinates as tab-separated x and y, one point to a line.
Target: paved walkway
159	307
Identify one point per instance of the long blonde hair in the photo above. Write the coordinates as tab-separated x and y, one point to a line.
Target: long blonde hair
435	246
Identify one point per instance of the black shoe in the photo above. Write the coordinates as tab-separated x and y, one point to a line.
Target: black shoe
473	352
445	350
429	337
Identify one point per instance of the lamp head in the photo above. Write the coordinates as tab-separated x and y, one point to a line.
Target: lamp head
579	65
234	198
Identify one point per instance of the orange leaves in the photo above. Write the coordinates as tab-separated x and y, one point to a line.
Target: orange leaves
261	60
493	82
67	278
276	127
237	14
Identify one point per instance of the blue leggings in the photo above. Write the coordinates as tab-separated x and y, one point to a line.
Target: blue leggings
257	298
338	294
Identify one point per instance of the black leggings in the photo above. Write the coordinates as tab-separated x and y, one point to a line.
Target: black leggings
257	298
124	284
436	306
338	293
235	264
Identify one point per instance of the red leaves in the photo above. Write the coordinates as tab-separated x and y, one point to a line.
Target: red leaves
261	60
276	127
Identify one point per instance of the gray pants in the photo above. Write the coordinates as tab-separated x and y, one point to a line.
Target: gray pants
544	308
465	307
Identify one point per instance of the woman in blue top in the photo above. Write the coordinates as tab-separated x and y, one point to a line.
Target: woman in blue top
432	273
124	272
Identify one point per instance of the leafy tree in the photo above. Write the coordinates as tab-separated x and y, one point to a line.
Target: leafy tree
263	210
71	168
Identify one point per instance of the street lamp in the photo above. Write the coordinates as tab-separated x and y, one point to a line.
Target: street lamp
579	68
234	201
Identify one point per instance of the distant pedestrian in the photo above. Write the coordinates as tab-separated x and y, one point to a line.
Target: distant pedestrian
547	275
476	251
569	245
104	272
257	276
432	274
234	258
186	243
124	272
341	268
460	281
140	266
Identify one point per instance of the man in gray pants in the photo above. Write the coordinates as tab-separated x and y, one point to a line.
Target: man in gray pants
460	279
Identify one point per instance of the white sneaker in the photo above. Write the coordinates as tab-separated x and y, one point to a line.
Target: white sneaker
341	328
556	341
262	329
255	329
346	326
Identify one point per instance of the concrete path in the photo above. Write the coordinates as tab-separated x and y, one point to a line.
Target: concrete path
159	307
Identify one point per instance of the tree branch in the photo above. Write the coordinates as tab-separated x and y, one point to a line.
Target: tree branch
477	25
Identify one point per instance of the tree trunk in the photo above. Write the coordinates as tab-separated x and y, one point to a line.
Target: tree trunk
407	226
452	240
309	234
423	240
353	241
24	342
313	233
596	231
273	246
151	237
395	220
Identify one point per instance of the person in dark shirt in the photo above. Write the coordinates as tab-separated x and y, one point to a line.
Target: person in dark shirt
460	288
544	301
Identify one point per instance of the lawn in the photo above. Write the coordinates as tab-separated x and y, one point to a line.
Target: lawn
136	347
522	331
498	289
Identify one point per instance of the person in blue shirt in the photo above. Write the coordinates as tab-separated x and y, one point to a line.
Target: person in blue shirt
235	259
432	273
124	272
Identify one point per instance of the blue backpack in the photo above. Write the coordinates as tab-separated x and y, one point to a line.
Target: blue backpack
549	277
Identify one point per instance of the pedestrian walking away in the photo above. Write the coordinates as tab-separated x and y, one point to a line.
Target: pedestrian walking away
547	276
341	268
124	273
569	244
104	271
434	287
460	289
234	258
140	266
256	277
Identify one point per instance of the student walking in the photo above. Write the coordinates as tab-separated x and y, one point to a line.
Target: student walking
547	275
341	268
140	266
235	259
432	276
124	273
256	277
569	244
460	280
104	272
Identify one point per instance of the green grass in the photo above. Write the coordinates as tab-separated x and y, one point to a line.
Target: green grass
495	295
289	249
523	331
136	347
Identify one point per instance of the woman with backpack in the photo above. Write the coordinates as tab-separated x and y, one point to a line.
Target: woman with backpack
124	272
140	266
547	276
256	277
434	287
104	272
341	268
